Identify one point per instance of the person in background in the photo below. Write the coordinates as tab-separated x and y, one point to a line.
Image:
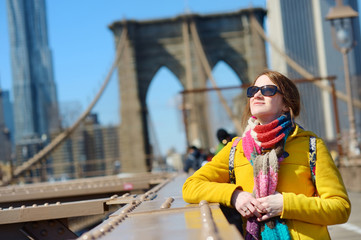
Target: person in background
223	137
284	181
194	159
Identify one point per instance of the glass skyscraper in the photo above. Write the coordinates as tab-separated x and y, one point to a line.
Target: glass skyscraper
8	112
34	91
299	29
5	131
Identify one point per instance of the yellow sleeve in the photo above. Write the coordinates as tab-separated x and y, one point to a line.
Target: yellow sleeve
211	182
332	206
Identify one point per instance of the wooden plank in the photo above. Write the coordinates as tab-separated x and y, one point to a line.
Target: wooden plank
81	187
52	211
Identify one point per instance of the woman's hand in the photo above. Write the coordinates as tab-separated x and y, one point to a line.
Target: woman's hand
273	205
246	204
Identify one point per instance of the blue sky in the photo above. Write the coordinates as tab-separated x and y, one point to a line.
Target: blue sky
83	51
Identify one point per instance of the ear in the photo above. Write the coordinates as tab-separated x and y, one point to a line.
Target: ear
285	108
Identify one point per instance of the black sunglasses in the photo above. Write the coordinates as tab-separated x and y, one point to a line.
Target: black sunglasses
267	90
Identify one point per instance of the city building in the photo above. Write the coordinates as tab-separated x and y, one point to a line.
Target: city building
299	29
8	113
35	104
91	150
5	133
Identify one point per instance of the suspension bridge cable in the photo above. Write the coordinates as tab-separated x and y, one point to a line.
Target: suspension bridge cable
201	53
65	134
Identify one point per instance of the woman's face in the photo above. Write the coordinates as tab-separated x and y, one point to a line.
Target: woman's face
266	109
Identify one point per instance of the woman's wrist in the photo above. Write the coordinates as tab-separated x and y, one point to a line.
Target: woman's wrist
234	196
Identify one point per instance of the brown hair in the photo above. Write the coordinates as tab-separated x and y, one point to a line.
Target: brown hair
291	96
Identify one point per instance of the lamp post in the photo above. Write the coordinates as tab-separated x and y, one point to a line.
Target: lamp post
340	17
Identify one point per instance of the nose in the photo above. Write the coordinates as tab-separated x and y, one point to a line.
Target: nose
258	93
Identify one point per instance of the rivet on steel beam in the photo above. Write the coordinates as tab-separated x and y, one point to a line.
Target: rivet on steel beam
111	225
51	223
97	234
143	197
121	217
167	203
117	220
113	222
203	202
87	236
127	209
108	227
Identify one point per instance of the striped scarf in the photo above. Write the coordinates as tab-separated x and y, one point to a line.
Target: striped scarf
270	137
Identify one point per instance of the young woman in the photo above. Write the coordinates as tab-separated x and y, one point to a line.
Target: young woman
276	190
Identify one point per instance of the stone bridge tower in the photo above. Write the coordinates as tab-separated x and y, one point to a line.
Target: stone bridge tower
169	42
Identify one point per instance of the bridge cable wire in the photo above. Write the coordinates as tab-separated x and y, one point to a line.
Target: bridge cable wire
67	132
255	25
208	70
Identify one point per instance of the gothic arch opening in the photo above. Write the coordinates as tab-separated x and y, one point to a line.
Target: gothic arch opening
166	129
165	42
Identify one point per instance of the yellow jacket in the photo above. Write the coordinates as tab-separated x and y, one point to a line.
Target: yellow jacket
306	216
